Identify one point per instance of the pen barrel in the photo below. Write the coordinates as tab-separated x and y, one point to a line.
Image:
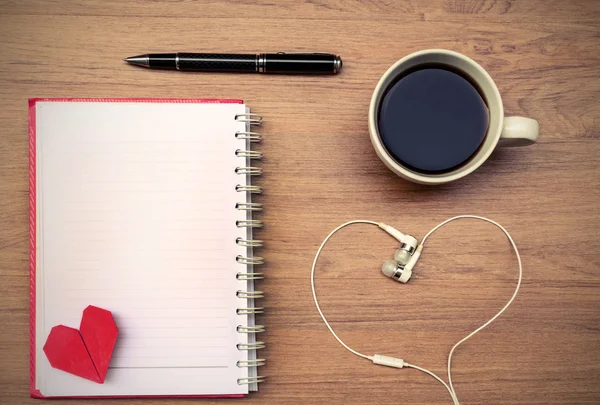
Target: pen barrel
217	62
301	63
161	60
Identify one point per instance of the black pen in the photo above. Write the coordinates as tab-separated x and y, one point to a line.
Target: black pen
285	63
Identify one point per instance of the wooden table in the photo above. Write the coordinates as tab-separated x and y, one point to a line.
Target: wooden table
321	170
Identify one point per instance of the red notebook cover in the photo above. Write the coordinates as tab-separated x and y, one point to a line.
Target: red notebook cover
34	392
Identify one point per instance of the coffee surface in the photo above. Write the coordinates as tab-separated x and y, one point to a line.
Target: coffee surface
432	120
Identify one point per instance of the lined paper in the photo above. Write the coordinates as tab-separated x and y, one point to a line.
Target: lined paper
136	215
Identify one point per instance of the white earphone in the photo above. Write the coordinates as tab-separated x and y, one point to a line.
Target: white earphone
400	269
405	258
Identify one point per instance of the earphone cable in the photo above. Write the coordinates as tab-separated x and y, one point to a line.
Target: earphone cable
434	375
312	283
449	386
510	301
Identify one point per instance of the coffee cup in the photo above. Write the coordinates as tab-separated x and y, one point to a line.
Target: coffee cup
388	130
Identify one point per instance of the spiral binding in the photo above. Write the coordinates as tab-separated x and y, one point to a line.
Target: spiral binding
250	380
251	170
251	346
249	223
249	294
252	154
250	329
248	311
251	363
252	119
249	276
249	206
251	136
249	242
250	189
249	261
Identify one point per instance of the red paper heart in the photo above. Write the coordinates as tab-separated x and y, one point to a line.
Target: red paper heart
85	352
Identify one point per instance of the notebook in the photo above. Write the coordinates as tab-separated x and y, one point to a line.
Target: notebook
143	207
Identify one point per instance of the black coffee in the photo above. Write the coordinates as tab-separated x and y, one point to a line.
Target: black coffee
432	120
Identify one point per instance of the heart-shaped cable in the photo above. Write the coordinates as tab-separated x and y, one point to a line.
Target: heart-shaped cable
400	363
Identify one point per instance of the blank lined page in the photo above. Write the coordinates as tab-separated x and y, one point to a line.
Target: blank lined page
135	211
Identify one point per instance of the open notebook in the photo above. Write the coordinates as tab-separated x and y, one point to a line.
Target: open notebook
143	207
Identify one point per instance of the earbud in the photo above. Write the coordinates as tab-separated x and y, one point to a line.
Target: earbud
395	270
406	250
398	271
405	258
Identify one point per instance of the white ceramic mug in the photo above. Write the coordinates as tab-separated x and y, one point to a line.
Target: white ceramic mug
502	131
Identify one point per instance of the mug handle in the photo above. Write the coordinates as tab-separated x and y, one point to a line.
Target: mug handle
518	131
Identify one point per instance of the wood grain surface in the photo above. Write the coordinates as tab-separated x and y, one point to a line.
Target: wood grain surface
320	170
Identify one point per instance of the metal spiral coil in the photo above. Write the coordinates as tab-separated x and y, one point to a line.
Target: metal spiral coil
249	260
251	380
249	242
250	189
253	137
249	223
252	119
251	346
249	311
251	170
252	154
249	206
249	294
250	276
251	363
250	329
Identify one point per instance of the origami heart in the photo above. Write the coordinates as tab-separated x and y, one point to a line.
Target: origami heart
85	352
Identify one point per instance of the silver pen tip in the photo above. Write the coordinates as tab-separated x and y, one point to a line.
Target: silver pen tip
140	60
